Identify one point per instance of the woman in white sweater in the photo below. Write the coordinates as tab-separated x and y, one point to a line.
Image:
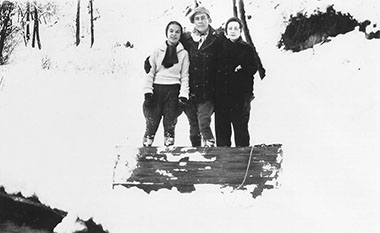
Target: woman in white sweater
166	86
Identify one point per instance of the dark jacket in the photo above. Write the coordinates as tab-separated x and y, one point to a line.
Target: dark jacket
235	69
202	70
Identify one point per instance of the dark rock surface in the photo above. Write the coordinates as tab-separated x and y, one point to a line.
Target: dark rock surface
20	214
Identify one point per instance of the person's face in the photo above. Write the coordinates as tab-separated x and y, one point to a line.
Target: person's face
233	30
173	34
201	22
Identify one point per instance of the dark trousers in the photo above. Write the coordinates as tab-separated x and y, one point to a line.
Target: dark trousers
165	105
199	116
232	112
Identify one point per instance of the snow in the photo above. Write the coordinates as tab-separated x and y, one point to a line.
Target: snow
70	224
60	127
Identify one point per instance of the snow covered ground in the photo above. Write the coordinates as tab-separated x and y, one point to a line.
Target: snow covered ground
59	127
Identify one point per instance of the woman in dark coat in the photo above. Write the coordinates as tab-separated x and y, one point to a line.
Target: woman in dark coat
236	66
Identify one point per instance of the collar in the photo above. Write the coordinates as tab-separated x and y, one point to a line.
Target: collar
203	34
239	40
196	35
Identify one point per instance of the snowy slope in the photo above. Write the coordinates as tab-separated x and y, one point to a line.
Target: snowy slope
59	126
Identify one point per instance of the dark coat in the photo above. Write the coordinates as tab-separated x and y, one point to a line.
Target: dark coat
232	82
202	70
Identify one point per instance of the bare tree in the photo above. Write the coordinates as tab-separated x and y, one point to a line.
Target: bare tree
36	33
234	8
27	34
77	24
91	21
5	24
249	39
15	24
36	13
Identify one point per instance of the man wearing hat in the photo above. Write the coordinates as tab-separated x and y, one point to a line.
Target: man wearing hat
201	45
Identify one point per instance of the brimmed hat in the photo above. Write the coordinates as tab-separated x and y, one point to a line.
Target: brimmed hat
200	9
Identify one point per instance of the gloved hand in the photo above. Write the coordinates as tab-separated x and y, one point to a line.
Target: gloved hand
262	72
182	101
148	100
147	65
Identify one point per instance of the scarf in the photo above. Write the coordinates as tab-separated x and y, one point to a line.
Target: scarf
170	55
199	37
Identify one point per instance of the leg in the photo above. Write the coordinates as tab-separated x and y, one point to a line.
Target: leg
222	124
240	121
191	113
204	113
152	116
170	113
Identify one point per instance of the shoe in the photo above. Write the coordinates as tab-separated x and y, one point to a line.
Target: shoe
147	141
195	140
168	141
209	142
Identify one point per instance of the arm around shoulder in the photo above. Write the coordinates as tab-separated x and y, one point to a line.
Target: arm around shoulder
149	77
184	90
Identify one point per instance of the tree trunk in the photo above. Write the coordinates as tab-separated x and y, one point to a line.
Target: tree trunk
34	31
2	37
5	11
36	34
234	8
27	34
249	39
77	36
92	22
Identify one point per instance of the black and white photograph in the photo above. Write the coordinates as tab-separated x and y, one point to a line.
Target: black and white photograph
191	116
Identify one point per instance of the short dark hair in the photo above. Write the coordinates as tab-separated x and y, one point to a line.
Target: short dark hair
170	23
233	19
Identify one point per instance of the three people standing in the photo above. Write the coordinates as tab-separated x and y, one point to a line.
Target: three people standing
219	78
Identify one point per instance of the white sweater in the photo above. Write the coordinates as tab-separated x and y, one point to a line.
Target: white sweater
177	74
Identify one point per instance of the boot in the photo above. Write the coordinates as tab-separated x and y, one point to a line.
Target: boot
195	140
209	142
148	141
169	141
